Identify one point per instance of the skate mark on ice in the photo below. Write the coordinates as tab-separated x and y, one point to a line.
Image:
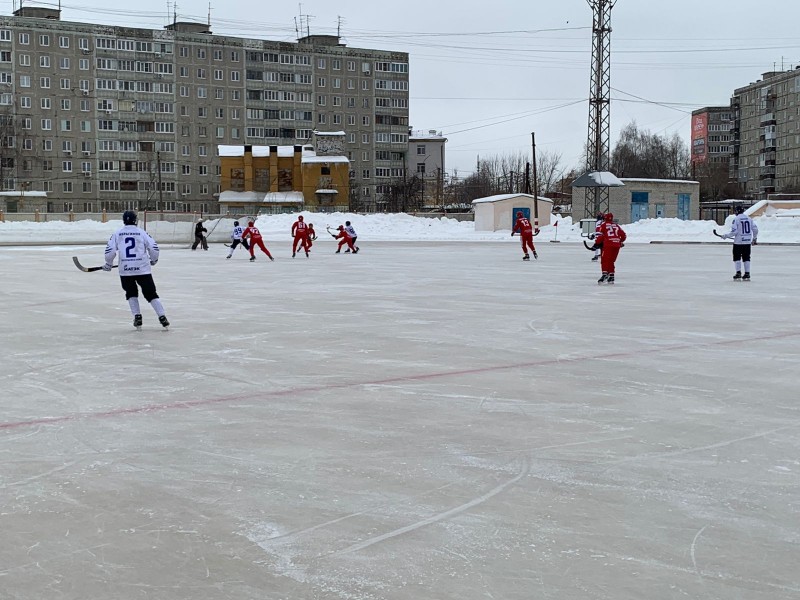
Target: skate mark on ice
694	545
441	516
291	392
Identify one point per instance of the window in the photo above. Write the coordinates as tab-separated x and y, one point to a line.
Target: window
25	60
66	186
220	132
202	92
65	104
47	146
24	39
5	35
66	125
63	62
201	73
66	166
320	63
365	120
420	148
25	81
235	76
65	84
63	41
44	40
365	138
44	83
351	65
321	82
44	61
201	53
217	54
202	112
219	74
336	64
234	56
202	170
47	124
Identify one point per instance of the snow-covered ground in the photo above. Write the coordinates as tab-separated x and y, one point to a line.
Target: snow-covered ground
418	421
780	228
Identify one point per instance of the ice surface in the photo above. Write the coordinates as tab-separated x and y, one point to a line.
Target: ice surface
418	421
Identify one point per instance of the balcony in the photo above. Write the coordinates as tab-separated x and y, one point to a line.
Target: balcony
768	119
767	173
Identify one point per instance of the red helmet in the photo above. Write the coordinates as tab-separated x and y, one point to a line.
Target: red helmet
300	218
609	217
341	227
251	223
519	214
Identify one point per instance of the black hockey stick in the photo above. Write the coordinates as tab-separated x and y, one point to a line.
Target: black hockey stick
87	269
718	235
588	247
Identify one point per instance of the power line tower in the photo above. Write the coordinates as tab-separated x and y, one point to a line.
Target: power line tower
598	145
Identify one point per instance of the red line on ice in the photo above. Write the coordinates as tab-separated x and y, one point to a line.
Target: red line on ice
398	379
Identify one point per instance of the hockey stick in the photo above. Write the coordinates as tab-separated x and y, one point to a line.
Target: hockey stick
88	269
588	247
718	235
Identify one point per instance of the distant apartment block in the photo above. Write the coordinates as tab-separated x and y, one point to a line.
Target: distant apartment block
105	117
426	157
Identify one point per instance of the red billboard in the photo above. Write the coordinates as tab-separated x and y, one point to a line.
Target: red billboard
699	137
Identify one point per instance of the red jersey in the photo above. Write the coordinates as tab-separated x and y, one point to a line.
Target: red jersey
299	228
610	234
342	235
252	232
523	226
311	232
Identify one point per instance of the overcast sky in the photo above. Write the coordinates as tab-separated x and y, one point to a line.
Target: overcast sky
488	78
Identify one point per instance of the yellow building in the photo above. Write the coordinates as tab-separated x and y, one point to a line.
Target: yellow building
275	179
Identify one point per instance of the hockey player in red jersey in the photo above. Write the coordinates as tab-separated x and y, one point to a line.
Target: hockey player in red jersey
312	235
252	232
344	238
300	235
611	238
525	229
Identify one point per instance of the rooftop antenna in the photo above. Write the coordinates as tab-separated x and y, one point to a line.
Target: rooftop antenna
209	15
174	13
296	31
339	26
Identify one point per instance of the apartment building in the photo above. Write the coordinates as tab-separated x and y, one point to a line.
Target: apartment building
426	156
766	135
106	117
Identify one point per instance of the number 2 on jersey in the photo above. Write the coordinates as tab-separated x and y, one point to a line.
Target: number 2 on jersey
130	246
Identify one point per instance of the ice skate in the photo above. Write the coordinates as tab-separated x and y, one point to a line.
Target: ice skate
293	253
738	276
603	278
306	253
272	259
252	259
595	258
610	278
337	252
163	320
347	251
526	257
228	256
746	277
536	256
356	250
137	321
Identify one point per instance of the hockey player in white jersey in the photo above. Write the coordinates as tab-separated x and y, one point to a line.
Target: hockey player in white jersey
744	233
137	253
236	238
351	232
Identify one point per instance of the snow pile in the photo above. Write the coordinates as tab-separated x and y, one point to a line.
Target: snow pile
777	228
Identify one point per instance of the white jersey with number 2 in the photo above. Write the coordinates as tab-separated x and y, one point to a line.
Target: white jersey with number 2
135	248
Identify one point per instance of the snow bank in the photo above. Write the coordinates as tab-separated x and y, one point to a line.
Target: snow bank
777	228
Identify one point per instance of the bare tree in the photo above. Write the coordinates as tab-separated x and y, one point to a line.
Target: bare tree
549	171
640	153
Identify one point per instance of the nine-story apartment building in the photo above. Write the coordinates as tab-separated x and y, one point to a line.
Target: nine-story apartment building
106	117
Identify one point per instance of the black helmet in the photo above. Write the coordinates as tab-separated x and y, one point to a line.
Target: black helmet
347	223
129	217
236	223
739	209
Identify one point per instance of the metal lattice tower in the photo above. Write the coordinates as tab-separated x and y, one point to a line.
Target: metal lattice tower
598	145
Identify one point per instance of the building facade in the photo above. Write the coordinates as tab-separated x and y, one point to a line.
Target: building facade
275	179
426	160
104	117
766	135
654	199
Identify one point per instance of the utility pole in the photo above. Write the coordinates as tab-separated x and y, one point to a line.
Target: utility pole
160	189
598	143
535	185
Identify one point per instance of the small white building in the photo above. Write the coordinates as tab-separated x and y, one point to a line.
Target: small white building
499	212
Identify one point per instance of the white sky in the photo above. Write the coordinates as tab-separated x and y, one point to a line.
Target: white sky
488	79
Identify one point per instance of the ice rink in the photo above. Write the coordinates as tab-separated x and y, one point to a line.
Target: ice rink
417	422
